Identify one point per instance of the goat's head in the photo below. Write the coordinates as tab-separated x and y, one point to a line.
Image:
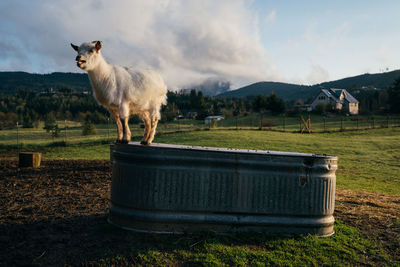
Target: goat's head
88	55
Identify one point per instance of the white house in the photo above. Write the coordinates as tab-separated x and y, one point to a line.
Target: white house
338	99
209	119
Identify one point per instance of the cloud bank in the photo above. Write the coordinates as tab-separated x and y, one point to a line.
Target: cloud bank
187	41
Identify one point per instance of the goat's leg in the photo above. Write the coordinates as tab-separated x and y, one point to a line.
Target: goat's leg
127	132
154	123
124	114
147	128
115	114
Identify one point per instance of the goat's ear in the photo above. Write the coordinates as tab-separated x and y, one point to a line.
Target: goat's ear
98	45
75	47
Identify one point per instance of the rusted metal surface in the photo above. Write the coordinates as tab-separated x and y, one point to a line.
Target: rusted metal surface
174	188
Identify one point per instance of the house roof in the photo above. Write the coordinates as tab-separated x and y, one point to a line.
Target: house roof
330	95
336	93
346	94
215	117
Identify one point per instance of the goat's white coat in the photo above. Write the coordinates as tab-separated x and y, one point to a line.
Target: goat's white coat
124	91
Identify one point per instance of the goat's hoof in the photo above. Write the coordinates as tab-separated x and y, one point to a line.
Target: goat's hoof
145	143
124	141
118	141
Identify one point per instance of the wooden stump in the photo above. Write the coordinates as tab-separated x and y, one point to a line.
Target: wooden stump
29	159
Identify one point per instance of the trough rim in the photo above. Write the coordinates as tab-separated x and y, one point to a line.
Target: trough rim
227	150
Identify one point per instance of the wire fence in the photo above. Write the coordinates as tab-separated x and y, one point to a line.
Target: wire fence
306	124
70	132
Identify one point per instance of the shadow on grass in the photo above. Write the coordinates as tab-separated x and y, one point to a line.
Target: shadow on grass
91	239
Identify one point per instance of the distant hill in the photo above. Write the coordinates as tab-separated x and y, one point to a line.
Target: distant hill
378	80
289	91
286	91
10	82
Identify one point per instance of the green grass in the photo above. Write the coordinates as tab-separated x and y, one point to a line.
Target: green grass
71	132
368	159
347	247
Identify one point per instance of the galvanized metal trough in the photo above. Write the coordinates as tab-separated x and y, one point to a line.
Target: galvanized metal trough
174	189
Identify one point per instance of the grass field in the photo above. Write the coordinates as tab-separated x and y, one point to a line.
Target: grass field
208	249
71	132
368	161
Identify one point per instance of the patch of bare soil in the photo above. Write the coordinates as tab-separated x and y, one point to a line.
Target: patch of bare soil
56	214
377	215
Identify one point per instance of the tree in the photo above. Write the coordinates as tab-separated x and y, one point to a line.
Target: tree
260	103
275	104
198	104
169	113
320	108
89	128
50	125
271	103
27	119
394	97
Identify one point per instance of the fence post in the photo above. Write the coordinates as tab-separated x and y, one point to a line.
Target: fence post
341	123
324	124
236	123
65	137
284	123
108	129
300	125
17	138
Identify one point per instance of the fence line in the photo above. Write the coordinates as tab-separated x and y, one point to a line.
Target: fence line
316	124
71	132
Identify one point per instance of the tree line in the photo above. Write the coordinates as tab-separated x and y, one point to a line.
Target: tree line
29	107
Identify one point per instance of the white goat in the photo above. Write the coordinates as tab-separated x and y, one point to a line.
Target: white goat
123	91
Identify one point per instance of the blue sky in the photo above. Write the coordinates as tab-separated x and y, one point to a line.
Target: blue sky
312	41
241	41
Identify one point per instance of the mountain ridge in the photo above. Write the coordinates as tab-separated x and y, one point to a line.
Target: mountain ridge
289	91
12	81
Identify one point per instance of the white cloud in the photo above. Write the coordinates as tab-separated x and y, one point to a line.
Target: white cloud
186	41
271	17
317	75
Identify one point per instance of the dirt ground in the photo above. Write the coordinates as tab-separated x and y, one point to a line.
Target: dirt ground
56	214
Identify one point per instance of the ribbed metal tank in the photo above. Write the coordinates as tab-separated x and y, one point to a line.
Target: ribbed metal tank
174	189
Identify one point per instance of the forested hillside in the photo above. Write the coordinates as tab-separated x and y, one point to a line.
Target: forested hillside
291	92
11	82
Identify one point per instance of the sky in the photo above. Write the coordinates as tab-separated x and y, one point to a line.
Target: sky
189	41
